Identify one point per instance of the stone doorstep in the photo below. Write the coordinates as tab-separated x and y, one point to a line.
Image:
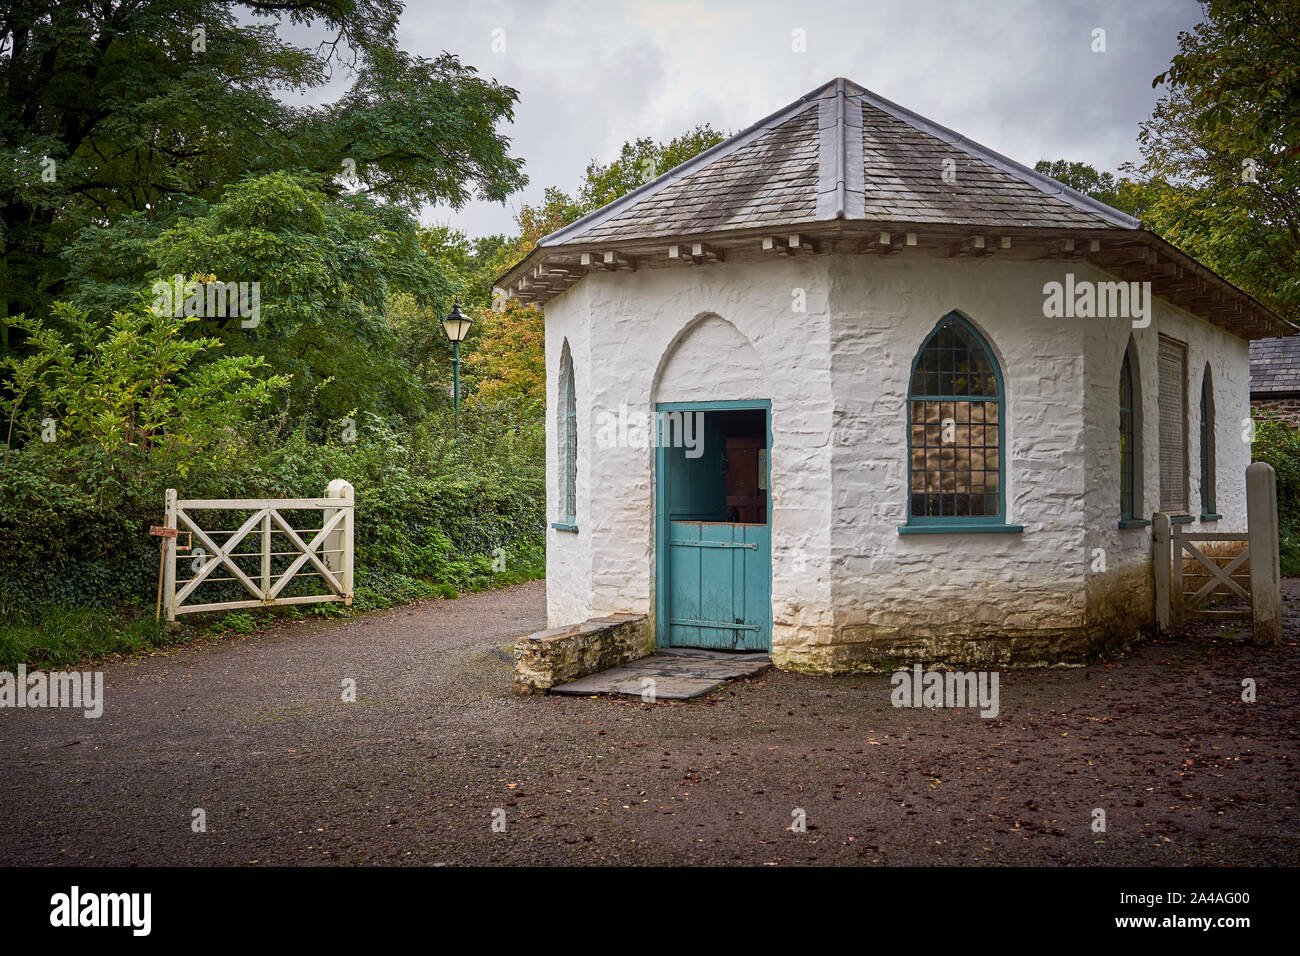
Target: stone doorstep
696	667
591	626
552	633
559	654
676	676
714	655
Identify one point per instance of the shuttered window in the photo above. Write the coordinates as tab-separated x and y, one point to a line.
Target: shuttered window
566	434
1173	425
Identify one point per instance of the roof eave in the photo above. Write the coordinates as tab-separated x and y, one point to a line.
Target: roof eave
1283	326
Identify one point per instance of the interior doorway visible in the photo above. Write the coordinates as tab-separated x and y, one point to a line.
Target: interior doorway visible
714	561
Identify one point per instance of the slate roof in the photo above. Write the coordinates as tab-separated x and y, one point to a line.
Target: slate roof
771	179
1275	367
841	152
842	155
904	164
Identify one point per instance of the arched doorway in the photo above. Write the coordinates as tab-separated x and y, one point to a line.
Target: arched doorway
712	487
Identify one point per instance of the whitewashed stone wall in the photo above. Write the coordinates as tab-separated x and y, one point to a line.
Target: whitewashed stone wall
932	596
837	378
1124	591
724	332
568	555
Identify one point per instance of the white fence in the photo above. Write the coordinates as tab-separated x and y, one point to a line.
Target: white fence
328	553
1247	565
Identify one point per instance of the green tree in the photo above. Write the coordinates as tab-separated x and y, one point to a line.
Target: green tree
325	266
508	361
131	389
1278	443
1221	152
639	162
145	112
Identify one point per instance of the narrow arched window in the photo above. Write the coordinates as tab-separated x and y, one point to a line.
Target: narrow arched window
955	433
1130	440
566	433
1127	443
1207	444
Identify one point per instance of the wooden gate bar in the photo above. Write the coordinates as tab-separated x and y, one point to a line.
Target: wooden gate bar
169	559
219	555
330	550
308	553
266	555
1180	606
1218	575
1171	544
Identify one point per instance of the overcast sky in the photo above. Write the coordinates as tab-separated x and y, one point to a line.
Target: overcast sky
1019	76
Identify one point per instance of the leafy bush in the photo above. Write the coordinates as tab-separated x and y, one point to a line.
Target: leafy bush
422	511
1279	445
240	622
127	390
134	412
59	637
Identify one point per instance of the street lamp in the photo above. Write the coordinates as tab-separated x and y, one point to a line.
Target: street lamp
456	325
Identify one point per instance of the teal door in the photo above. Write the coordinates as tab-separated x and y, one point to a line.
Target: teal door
715	575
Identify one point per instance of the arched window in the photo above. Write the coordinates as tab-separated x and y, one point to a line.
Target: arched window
1127	442
1130	440
1207	444
955	433
566	434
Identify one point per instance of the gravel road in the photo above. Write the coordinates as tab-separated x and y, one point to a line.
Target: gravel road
254	731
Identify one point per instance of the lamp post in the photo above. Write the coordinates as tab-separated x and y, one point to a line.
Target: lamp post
456	325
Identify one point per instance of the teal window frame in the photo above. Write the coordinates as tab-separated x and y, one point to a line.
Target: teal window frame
566	442
1128	460
947	524
1130	418
1208	463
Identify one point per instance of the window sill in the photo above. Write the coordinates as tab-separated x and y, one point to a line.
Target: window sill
1125	523
960	527
1209	516
561	526
1180	519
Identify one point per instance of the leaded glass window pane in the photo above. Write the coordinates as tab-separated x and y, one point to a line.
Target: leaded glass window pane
955	429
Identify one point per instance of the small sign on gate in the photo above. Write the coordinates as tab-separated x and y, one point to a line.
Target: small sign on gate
173	533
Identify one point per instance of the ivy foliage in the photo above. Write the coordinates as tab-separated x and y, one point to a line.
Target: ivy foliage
1279	444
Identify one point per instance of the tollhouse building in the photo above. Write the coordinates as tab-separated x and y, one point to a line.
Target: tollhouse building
856	390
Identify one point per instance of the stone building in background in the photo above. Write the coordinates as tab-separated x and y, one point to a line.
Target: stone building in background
1275	378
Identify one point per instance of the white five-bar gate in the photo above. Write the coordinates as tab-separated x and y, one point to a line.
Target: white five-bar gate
328	552
1189	574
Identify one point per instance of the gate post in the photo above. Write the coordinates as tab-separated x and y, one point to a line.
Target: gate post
1160	542
266	555
1265	563
339	541
169	559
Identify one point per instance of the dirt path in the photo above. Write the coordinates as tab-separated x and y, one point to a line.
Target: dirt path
254	731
